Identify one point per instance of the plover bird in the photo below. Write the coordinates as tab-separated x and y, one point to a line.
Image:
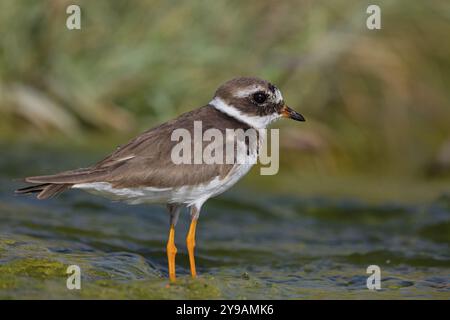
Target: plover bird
143	170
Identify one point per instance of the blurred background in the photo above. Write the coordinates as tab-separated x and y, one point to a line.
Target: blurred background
377	101
365	180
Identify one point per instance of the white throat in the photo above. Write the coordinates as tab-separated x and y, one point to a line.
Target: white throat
257	122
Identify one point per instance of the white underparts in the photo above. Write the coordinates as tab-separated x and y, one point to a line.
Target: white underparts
190	195
257	122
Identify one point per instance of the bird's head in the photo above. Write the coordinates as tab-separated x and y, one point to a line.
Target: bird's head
254	101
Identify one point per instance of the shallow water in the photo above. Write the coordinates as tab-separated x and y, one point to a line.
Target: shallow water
250	245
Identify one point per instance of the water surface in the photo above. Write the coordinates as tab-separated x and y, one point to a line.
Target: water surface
250	245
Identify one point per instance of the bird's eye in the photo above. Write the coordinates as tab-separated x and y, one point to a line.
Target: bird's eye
259	97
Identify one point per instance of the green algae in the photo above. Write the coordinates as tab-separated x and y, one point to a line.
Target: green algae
34	268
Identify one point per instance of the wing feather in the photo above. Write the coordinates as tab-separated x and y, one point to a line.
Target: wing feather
146	160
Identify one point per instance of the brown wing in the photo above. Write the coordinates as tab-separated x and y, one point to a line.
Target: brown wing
146	160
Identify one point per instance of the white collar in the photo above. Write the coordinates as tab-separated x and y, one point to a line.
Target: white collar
256	122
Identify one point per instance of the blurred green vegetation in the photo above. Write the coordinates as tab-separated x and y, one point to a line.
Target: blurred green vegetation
375	101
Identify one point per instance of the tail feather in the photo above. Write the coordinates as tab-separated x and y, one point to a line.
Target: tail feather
32	189
44	190
51	185
69	177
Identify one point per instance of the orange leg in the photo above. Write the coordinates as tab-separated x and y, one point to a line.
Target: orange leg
190	240
171	252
